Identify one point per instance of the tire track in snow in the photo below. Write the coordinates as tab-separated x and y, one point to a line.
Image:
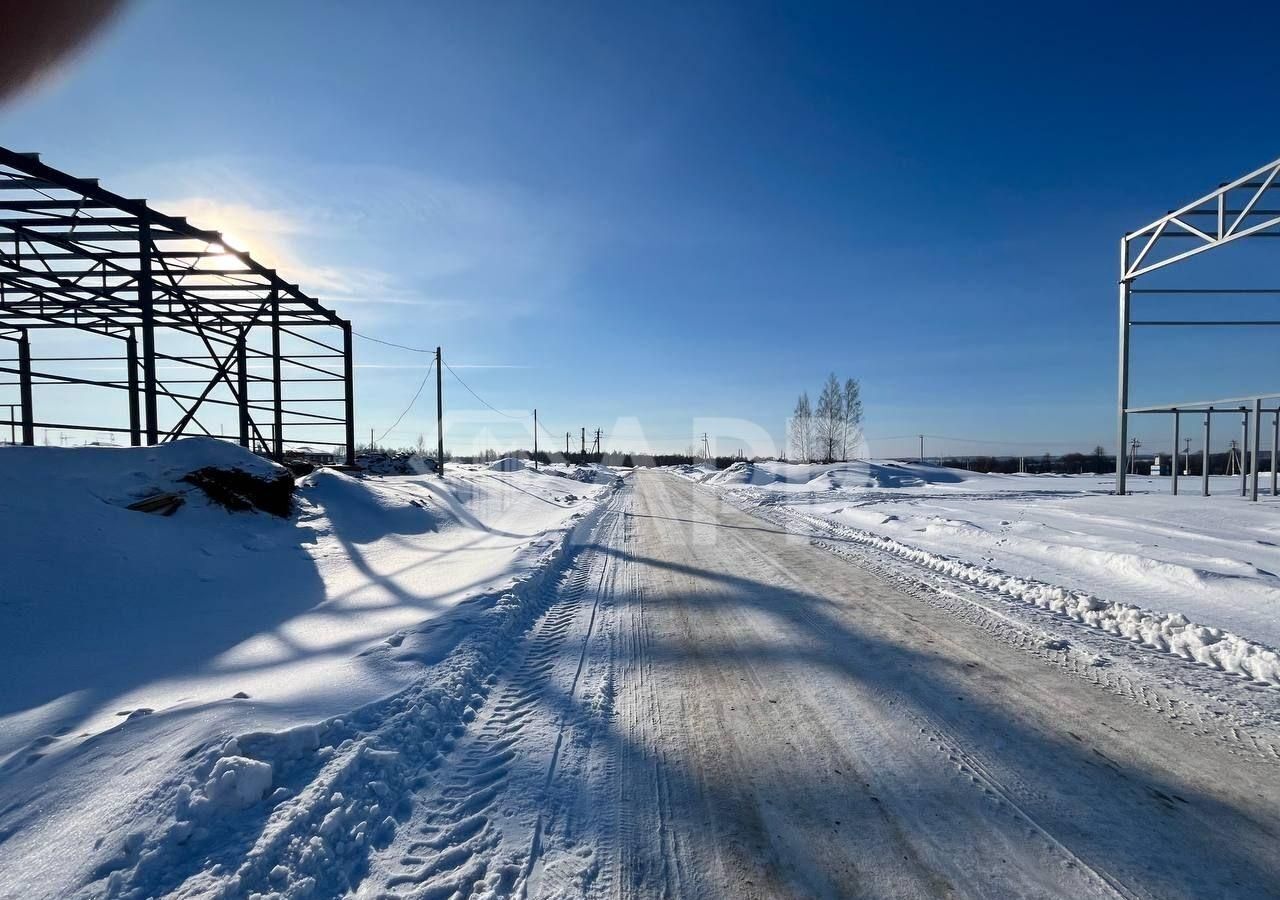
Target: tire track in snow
607	568
482	826
985	609
966	603
1011	792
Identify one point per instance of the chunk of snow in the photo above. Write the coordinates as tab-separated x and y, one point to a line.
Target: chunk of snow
237	782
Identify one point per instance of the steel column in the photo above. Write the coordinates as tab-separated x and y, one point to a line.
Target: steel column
277	398
1122	429
242	385
24	390
1204	466
146	300
349	397
1257	440
1275	446
1244	451
135	416
1176	437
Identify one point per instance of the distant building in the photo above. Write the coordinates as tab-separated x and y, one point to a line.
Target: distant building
311	455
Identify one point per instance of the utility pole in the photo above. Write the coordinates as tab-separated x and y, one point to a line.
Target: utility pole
1134	444
370	440
439	415
584	444
1186	457
706	446
1231	459
566	446
922	448
596	446
535	440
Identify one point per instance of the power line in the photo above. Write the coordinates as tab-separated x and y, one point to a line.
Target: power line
394	344
943	437
416	394
478	397
548	432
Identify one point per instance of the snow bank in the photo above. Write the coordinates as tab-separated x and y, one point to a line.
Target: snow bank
593	474
693	473
133	646
341	781
1206	560
854	475
398	463
507	464
1166	632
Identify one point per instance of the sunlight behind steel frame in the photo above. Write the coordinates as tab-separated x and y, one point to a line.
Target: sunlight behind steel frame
1233	212
76	257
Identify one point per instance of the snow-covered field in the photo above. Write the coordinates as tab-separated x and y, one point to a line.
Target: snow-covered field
143	657
1196	576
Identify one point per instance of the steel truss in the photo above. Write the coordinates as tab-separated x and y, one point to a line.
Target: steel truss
1235	211
171	298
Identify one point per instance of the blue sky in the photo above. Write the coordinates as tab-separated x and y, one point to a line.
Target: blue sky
650	217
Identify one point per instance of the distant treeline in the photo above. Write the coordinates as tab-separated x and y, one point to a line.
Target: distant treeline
625	458
1096	463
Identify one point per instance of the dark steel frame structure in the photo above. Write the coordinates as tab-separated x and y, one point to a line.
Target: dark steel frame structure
76	256
1235	211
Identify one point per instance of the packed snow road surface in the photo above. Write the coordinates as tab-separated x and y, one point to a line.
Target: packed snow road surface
711	706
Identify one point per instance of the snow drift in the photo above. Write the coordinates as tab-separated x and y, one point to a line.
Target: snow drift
171	681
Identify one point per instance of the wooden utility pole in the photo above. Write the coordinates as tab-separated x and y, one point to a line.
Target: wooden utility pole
439	415
535	440
566	445
584	444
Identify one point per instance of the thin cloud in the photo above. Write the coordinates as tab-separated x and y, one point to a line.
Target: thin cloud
380	236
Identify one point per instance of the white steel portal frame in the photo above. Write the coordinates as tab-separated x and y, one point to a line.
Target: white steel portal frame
1234	211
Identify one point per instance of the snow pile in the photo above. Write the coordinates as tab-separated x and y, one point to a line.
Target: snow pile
855	475
742	473
341	781
693	473
135	647
507	464
395	463
234	783
593	474
801	478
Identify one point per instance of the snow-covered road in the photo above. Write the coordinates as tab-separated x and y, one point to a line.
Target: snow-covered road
712	706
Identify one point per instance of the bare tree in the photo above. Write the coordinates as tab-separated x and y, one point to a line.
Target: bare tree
851	433
802	429
829	419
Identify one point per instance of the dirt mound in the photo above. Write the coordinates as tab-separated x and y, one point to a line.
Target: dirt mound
238	490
